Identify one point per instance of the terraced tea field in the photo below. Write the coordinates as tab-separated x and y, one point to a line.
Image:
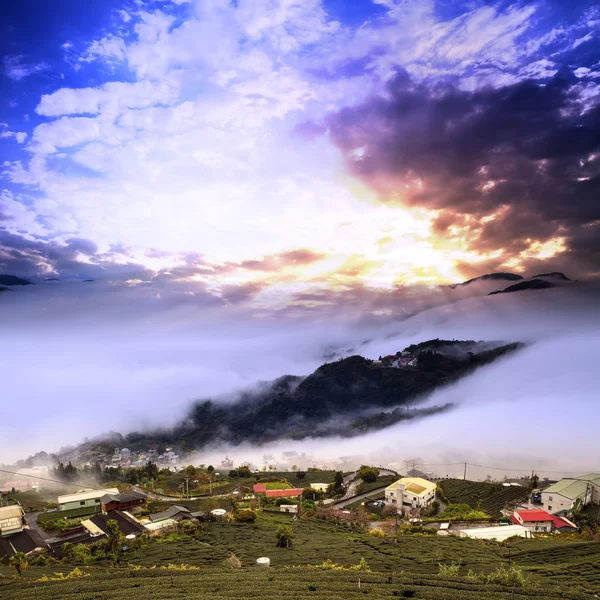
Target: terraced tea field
266	583
408	568
490	497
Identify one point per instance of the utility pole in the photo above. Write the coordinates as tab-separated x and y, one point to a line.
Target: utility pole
187	483
465	473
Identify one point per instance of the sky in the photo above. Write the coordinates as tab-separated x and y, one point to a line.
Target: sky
247	183
282	152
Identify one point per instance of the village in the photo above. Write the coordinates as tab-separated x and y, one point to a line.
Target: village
377	501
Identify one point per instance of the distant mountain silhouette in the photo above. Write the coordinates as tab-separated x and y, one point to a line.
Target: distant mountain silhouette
490	276
555	274
13	280
530	284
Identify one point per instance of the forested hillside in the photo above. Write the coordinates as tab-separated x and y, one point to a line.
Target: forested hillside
346	397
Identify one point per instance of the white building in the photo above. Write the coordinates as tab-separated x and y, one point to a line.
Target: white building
500	533
12	519
410	493
83	499
569	494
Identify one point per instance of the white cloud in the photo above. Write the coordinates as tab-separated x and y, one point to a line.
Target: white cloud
112	98
16	217
20	136
17	69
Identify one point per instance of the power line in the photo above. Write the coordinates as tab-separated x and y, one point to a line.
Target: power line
78	485
543	470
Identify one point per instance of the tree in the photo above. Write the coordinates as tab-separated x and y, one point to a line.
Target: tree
534	480
114	537
368	474
190	470
301	474
18	562
210	468
244	471
285	535
76	554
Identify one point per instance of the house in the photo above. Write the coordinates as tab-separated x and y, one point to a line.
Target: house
159	527
499	534
562	524
410	493
127	523
288	508
12	520
27	541
84	498
259	488
132	501
534	520
175	512
569	494
289	493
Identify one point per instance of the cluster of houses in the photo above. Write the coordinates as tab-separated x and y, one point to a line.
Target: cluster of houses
398	361
124	457
410	495
103	505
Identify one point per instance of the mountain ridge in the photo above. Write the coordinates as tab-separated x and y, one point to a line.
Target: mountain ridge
346	398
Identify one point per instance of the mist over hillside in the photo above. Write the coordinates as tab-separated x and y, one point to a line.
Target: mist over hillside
128	366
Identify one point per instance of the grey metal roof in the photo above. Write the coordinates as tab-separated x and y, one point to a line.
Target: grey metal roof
169	513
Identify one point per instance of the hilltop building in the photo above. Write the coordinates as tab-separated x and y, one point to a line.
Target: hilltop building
569	494
410	493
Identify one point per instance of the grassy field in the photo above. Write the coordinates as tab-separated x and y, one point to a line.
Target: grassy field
489	497
381	481
300	482
74	513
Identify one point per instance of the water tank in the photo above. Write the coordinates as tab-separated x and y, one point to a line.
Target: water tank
263	561
218	513
131	536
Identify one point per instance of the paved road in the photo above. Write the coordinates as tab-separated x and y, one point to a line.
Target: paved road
163	498
346	501
33	524
352	481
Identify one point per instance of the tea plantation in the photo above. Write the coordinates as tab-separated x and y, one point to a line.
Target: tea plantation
408	568
489	497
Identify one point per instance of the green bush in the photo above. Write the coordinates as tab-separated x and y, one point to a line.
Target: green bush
449	570
245	516
368	474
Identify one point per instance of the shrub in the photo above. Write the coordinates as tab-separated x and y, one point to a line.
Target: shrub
301	474
450	570
509	577
245	516
232	561
377	533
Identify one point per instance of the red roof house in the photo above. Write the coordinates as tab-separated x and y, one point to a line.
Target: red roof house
259	488
534	520
562	524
